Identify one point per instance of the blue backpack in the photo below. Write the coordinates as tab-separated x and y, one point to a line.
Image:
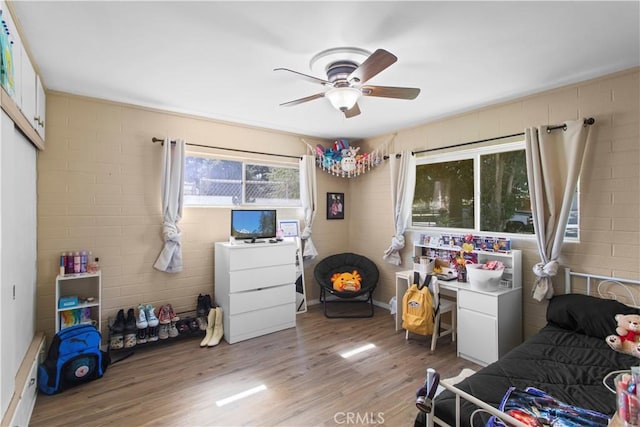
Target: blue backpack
74	358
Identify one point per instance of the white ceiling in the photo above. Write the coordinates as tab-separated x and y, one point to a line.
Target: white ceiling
216	59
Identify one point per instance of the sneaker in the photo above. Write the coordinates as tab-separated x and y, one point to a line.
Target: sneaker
163	315
194	325
141	337
153	334
141	323
182	325
152	320
173	330
163	331
172	314
130	330
116	340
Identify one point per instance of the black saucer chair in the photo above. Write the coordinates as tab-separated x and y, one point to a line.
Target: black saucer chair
343	263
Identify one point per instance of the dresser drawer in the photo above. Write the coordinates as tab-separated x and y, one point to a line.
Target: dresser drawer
478	302
257	278
242	302
259	322
241	258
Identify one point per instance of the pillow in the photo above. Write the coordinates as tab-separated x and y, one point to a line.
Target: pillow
586	315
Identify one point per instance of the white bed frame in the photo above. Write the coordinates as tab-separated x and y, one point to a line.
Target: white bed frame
604	287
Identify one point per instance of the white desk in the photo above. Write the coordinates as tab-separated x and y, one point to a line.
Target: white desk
489	322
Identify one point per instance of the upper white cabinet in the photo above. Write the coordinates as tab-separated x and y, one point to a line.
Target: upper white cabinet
40	107
19	79
28	88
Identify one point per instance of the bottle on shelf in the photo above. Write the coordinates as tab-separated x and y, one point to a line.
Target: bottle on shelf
94	266
76	262
63	263
83	262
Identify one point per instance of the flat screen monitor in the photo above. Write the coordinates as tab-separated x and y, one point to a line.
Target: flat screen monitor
253	223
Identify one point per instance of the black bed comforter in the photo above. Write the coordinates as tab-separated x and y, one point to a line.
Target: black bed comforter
560	360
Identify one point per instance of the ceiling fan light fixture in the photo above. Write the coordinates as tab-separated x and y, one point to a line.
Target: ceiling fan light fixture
343	98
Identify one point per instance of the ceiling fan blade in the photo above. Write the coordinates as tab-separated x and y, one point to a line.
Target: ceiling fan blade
306	76
354	111
391	92
301	100
375	63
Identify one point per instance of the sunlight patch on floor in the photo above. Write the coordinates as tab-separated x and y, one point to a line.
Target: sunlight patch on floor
357	350
241	395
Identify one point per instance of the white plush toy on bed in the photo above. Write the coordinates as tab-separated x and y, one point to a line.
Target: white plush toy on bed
627	339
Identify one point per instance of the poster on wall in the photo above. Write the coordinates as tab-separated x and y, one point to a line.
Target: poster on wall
290	230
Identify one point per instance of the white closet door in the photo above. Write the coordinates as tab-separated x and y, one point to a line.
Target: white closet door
17	252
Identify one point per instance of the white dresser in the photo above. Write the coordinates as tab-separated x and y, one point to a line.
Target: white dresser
255	286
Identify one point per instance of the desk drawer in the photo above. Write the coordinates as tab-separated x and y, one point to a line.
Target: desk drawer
265	277
243	302
478	302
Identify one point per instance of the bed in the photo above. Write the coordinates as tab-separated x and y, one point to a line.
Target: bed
568	358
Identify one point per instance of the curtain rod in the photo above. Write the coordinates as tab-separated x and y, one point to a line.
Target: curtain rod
154	140
563	126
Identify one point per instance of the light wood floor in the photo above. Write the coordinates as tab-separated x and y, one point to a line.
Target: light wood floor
307	382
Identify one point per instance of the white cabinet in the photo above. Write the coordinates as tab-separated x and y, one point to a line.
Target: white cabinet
85	291
255	287
41	101
18	251
28	89
489	323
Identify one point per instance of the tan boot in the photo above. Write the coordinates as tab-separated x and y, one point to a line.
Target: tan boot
210	326
218	330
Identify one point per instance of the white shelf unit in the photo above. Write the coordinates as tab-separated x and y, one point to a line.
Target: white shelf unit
489	323
81	285
255	287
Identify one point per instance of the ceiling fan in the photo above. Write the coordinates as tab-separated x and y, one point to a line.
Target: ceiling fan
347	80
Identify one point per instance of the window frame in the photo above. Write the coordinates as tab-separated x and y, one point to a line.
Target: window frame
244	162
475	154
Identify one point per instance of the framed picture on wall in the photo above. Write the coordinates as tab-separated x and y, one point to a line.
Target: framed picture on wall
335	205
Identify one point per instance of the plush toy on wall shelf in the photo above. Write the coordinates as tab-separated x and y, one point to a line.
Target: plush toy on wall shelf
344	160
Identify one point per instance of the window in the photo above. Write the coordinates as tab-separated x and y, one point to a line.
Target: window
448	186
211	181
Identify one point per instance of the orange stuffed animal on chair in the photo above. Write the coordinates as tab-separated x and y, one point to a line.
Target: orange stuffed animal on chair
346	282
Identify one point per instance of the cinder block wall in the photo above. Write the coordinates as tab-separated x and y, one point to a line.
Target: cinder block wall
99	190
610	183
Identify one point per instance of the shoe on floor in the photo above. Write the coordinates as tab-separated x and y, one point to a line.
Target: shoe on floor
200	307
218	330
163	331
152	334
173	330
116	339
210	324
163	315
152	320
141	337
130	330
172	314
141	322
